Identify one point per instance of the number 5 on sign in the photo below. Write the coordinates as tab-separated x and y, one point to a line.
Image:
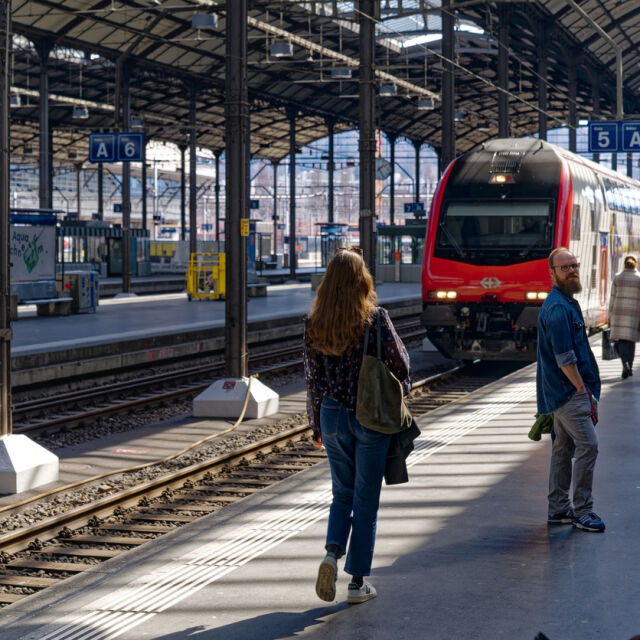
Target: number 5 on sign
603	136
244	227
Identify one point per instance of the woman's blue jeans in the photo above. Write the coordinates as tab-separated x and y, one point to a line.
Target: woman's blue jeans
357	457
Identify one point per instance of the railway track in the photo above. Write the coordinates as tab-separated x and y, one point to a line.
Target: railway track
52	549
84	406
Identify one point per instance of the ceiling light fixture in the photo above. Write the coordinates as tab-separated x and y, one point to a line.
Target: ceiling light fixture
281	50
388	90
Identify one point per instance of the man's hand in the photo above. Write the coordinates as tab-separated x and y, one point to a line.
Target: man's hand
571	371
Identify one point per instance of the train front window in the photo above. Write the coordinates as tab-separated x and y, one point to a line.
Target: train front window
492	232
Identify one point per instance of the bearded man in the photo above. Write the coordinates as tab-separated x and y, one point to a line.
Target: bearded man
568	386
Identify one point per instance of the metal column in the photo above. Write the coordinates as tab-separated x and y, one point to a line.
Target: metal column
193	183
122	69
330	168
183	198
274	242
367	144
503	71
100	191
392	185
6	425
292	113
217	192
417	144
629	165
45	157
542	82
78	168
448	86
573	107
143	180
595	102
237	180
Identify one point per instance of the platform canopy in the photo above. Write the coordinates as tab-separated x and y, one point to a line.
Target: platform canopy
301	55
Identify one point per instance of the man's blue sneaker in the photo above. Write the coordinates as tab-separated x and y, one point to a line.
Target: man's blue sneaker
589	522
565	517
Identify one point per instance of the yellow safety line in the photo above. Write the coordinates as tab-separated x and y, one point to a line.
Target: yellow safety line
137	467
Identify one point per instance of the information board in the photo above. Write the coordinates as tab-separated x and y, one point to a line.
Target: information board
116	147
614	137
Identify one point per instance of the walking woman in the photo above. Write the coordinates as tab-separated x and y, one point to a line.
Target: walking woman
624	313
333	348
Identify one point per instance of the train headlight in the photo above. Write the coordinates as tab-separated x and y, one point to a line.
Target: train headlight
502	178
535	295
440	294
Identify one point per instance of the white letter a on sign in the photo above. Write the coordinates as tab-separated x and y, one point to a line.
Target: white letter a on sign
102	151
635	139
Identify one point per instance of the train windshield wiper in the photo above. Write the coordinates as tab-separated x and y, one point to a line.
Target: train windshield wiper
452	240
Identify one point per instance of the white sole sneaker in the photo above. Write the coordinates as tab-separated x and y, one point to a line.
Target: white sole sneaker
364	593
326	581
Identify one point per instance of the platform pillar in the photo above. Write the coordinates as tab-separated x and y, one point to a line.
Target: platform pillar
542	81
183	195
392	185
573	107
503	71
417	145
143	180
122	72
237	181
367	143
292	113
595	102
330	169
23	463
100	191
45	159
193	182
217	154
448	87
274	243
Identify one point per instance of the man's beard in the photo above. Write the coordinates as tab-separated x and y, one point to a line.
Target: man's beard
570	286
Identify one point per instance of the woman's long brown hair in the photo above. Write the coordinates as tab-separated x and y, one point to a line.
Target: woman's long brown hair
344	305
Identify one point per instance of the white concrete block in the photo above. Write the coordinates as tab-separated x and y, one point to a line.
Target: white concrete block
24	464
427	345
225	399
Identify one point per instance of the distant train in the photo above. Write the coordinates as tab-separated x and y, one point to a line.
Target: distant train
496	214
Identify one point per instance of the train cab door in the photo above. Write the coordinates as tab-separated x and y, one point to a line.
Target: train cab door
604	269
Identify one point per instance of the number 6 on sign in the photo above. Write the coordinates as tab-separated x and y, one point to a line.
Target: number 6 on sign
130	147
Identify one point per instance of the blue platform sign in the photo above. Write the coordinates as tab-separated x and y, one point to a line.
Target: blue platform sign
102	147
603	136
116	147
631	136
417	208
254	204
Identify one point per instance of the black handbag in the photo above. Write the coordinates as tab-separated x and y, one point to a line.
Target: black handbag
608	347
380	403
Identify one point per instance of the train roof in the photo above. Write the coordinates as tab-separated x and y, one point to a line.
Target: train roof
528	146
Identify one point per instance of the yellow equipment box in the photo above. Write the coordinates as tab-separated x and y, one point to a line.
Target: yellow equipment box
206	277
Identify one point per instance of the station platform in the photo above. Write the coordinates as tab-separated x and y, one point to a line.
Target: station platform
463	550
133	318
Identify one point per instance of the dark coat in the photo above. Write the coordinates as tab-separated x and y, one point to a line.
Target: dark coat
400	447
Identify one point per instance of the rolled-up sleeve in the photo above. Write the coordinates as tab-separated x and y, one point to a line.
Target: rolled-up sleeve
558	329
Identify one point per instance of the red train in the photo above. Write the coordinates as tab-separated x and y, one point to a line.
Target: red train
496	214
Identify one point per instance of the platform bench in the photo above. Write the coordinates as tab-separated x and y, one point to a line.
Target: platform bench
53	306
257	289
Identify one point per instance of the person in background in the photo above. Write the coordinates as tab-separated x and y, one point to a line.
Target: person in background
568	386
333	349
624	313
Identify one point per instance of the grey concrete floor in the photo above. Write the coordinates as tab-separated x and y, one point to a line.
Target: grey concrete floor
463	550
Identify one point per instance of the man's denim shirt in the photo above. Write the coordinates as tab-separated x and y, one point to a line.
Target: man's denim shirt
562	340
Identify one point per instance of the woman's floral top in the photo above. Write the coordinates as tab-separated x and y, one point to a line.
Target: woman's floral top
337	376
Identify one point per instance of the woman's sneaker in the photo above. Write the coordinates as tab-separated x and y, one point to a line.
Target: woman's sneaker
589	522
356	594
327	576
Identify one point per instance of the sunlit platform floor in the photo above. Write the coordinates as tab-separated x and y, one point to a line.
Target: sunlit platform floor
463	550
